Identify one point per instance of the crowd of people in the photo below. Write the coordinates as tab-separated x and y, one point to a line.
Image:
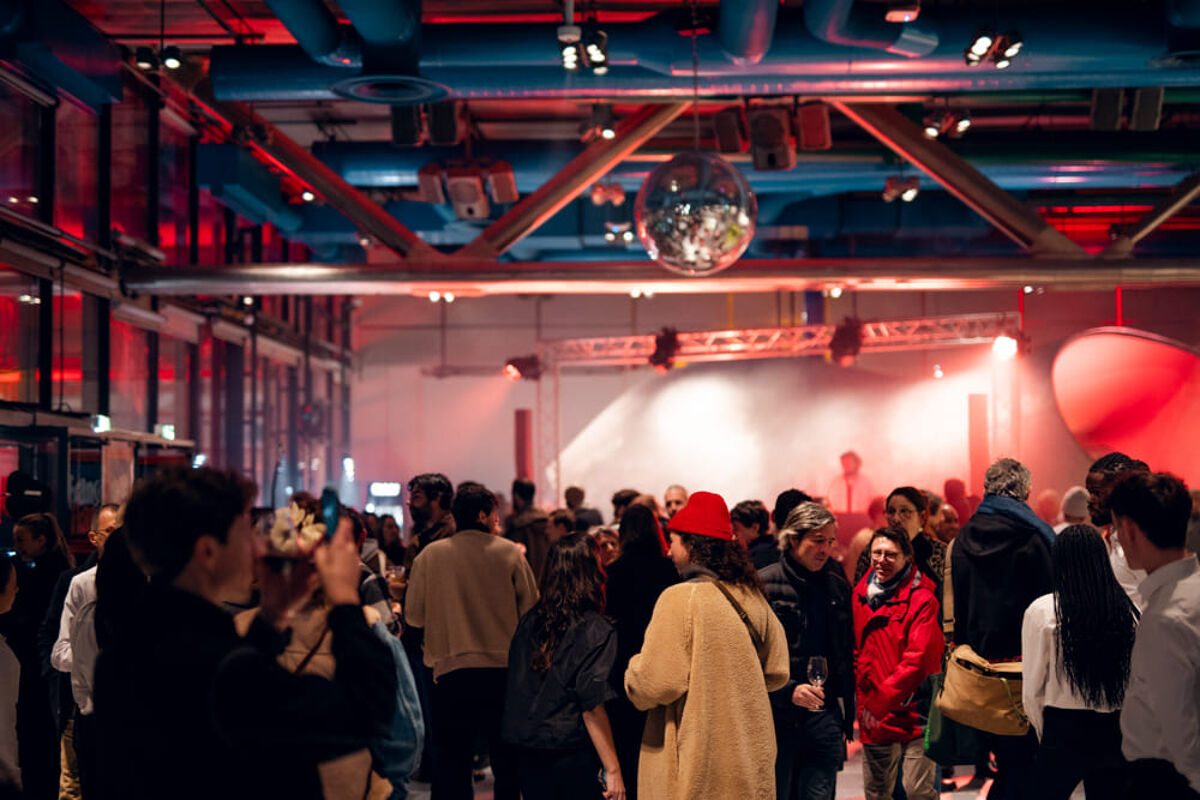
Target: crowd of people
206	648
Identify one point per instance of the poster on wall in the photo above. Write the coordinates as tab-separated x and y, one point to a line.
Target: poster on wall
117	474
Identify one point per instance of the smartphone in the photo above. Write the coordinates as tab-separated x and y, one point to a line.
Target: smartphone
331	511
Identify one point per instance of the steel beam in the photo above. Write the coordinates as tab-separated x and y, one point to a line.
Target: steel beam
1181	196
1016	220
583	170
479	277
370	218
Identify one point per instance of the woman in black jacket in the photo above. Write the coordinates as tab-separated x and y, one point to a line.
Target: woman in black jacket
635	580
813	713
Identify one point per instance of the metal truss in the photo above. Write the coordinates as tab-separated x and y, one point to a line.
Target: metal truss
730	345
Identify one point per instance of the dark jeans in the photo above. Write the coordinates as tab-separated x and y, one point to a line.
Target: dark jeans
412	640
1158	779
810	751
1014	764
467	702
1076	746
559	774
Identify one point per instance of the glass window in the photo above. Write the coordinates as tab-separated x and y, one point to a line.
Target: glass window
173	399
130	153
174	180
127	377
19	311
76	145
212	230
68	351
204	437
18	151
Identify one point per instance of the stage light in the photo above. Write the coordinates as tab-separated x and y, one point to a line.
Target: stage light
982	43
101	423
1012	44
523	367
666	346
29	299
610	237
596	51
905	189
846	343
172	58
32	199
932	129
1004	347
937	371
200	459
835	292
435	296
635	293
1027	290
570	57
602	124
145	58
247	300
912	187
627	237
307	196
448	297
365	241
1001	61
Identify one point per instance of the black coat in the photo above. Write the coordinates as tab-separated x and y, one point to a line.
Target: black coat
187	709
797	597
999	565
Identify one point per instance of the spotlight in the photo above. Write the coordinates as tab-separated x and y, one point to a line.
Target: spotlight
435	296
448	297
1001	62
981	44
635	293
32	199
523	367
603	123
962	124
906	189
1004	347
615	232
570	57
145	58
627	236
835	292
846	343
937	371
1027	290
307	196
172	58
911	189
247	300
568	40
610	237
932	129
595	52
365	241
29	299
666	346
1012	44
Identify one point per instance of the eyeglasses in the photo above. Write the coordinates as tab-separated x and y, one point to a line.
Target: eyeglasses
879	555
901	512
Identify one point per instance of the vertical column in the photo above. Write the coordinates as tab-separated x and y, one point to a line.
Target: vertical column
193	392
235	406
293	428
216	412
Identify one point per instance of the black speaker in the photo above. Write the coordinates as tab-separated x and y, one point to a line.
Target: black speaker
771	145
1106	109
445	123
727	127
406	125
1147	108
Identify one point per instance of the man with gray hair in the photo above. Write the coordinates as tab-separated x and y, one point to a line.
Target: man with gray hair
999	565
813	711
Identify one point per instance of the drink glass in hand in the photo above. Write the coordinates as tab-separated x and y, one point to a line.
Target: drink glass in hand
818	670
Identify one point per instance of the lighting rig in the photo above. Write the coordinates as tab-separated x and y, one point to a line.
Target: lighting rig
987	45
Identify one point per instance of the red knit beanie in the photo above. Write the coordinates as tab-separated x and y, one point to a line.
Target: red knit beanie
704	515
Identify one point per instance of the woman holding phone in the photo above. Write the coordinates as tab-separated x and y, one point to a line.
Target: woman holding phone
558	667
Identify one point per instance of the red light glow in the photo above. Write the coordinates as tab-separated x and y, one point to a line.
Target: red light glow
511	372
1005	347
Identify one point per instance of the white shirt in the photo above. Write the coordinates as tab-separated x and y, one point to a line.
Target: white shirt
1043	681
1128	577
1161	717
850	493
86	651
81	591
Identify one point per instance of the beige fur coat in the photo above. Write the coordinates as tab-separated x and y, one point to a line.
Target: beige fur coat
709	733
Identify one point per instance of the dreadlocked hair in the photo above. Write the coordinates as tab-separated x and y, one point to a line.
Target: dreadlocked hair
728	560
1096	619
572	585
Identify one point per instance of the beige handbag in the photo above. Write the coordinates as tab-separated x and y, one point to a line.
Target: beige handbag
975	691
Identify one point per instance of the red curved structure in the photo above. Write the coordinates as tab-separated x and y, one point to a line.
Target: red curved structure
1132	391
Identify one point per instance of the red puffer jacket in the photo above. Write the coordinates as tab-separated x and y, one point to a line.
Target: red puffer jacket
898	645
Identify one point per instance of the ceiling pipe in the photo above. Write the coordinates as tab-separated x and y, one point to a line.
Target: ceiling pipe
745	28
1180	198
584	170
1012	217
357	207
857	24
391	32
473	277
650	59
318	32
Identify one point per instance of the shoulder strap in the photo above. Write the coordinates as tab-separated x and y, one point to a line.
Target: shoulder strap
755	637
948	595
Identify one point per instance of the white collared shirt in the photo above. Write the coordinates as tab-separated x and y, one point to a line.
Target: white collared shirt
1129	578
81	590
1043	683
1161	715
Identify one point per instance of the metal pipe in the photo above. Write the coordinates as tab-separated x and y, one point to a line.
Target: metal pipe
745	28
318	31
855	24
1012	217
356	206
480	277
1180	198
593	163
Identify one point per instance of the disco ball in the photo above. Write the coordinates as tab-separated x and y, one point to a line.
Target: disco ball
695	214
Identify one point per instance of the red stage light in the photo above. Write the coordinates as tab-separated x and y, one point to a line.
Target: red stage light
511	372
1005	347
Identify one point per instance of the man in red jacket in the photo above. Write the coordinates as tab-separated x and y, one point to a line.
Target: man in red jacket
899	644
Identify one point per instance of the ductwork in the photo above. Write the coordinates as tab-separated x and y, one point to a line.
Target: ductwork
745	28
318	32
650	59
857	24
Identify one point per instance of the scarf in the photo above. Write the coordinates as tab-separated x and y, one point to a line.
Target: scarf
879	593
1015	509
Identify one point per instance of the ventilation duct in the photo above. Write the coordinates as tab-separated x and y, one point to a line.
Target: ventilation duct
857	24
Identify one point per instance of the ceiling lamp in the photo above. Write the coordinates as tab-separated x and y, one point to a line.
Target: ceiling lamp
846	343
595	52
1000	50
172	58
905	189
666	346
145	58
603	122
944	121
523	368
981	44
1004	347
569	35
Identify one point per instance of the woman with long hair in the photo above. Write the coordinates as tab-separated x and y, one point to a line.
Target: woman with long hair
712	651
635	580
1075	651
908	508
558	668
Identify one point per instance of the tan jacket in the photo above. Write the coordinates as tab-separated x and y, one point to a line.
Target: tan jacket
467	592
709	733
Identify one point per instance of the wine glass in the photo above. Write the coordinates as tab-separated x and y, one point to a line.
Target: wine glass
818	670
